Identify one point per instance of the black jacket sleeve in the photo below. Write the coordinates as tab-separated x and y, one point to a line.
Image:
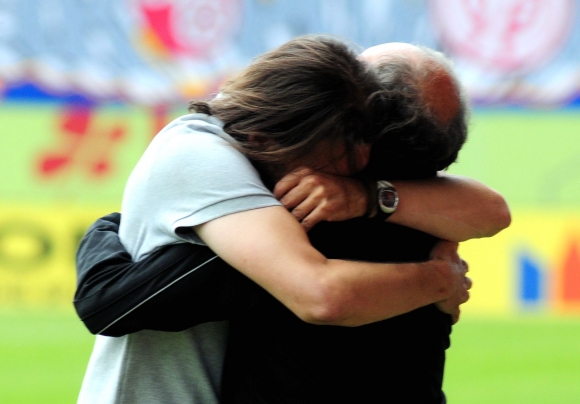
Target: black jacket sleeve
171	289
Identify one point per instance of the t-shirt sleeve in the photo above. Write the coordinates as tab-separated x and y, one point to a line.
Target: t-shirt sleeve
198	177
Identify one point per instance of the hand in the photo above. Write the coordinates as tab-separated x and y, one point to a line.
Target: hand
447	251
313	196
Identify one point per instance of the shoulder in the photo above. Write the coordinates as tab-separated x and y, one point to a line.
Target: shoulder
202	132
189	174
194	144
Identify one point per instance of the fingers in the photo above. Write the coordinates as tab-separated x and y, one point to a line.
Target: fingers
290	181
307	209
307	205
461	295
314	210
464	295
450	307
464	267
294	197
296	187
310	221
307	202
313	197
455	317
468	283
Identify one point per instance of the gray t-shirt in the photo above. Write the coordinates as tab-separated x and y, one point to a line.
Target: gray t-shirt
189	174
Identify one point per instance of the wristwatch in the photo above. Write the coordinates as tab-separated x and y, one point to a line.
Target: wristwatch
387	198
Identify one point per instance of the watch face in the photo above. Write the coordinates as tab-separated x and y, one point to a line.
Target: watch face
388	199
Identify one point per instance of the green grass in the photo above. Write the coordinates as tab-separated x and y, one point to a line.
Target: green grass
530	157
528	360
43	356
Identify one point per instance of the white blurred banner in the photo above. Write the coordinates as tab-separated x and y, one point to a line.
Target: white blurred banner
160	52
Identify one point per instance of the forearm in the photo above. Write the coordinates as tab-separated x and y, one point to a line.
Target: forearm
277	255
362	293
161	294
451	207
448	206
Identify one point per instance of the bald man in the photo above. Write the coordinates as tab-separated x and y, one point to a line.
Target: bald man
439	88
429	101
272	356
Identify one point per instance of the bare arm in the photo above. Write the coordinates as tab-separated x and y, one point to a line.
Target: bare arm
270	247
450	207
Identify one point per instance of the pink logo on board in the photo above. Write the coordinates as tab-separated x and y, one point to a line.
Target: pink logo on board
187	28
84	143
507	36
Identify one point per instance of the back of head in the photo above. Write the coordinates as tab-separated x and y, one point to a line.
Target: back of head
422	115
312	88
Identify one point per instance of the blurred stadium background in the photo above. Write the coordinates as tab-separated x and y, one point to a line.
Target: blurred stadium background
85	85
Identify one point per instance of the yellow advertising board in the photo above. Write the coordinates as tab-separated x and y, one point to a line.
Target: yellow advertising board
533	266
37	252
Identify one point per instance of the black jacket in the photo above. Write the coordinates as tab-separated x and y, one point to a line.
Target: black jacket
272	356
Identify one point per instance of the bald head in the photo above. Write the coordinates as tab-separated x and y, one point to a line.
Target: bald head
421	111
437	86
378	53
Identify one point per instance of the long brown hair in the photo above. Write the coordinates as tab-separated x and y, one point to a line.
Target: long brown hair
310	89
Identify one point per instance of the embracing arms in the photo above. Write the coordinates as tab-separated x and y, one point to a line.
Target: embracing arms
152	291
323	291
450	207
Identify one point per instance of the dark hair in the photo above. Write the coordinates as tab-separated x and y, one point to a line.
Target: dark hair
312	88
416	141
